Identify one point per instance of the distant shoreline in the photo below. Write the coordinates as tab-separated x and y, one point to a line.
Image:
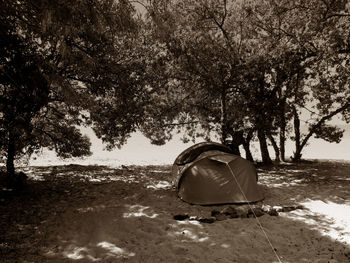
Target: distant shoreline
143	164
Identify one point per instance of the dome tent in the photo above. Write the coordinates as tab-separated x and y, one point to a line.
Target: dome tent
207	173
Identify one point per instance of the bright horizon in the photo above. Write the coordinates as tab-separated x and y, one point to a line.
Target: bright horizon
139	151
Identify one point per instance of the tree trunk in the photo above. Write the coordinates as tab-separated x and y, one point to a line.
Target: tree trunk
297	153
235	149
282	149
275	147
10	162
246	146
260	121
263	147
300	145
282	133
248	153
237	140
223	117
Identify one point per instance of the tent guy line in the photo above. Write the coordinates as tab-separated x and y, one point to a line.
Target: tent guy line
257	219
208	173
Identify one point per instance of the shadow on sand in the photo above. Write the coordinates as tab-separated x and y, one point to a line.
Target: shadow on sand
99	214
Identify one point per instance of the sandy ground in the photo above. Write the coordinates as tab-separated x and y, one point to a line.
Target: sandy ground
100	214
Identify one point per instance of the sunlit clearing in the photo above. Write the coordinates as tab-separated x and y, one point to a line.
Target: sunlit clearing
106	176
157	171
334	222
190	222
77	253
138	211
188	235
91	209
35	177
295	171
160	185
114	250
225	245
293	183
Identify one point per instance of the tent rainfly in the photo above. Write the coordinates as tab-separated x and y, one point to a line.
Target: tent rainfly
207	173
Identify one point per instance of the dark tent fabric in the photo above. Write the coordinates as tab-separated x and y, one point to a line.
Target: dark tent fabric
207	173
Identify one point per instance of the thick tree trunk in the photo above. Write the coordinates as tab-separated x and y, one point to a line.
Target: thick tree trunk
246	145
235	149
10	162
275	147
248	153
237	140
265	156
297	153
282	149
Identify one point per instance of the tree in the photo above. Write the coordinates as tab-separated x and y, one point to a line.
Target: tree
230	69
331	91
202	56
26	92
321	81
62	63
299	39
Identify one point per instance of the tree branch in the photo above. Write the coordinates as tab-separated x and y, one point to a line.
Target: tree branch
338	15
322	120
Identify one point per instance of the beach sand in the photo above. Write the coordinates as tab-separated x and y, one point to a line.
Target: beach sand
78	213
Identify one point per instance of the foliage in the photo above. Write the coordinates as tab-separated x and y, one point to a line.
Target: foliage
232	70
251	66
61	62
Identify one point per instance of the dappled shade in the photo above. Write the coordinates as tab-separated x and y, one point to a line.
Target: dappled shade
100	214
